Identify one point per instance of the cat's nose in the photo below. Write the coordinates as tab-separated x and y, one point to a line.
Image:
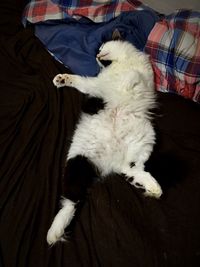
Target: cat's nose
102	55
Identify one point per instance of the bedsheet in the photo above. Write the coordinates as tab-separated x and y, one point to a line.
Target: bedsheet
117	226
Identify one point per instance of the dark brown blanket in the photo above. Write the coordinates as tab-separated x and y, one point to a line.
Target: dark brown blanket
117	226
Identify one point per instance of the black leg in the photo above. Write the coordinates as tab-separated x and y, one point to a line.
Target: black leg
79	175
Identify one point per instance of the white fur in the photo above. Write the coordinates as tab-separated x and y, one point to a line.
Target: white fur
61	221
122	132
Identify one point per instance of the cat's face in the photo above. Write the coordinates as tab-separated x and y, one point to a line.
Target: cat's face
102	63
112	51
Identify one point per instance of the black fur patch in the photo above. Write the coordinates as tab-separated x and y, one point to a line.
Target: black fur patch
79	175
130	179
139	185
92	105
132	164
105	63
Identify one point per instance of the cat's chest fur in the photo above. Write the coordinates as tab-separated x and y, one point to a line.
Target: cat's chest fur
105	137
116	123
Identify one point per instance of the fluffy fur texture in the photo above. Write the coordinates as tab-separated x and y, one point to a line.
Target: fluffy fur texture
120	137
62	219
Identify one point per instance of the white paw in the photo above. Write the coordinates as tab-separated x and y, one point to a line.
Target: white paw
145	181
61	80
154	190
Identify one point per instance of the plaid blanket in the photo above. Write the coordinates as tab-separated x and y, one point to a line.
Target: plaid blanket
173	44
174	48
95	10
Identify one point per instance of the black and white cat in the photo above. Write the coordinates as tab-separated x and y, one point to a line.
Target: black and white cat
120	137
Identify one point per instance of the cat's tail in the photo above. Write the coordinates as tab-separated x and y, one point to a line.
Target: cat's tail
61	221
79	175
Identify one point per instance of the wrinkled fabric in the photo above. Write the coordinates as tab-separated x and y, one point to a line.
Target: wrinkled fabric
97	11
76	44
174	48
117	226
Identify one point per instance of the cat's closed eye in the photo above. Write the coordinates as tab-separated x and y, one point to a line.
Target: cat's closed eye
105	63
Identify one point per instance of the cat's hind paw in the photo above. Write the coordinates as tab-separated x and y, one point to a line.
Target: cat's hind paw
154	191
145	181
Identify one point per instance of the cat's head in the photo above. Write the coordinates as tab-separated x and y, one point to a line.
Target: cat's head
114	50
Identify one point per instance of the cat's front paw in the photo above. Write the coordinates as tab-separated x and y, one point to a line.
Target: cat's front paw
61	80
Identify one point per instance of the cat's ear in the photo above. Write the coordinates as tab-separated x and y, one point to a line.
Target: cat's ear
116	35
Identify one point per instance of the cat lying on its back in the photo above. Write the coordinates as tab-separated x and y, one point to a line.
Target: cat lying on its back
120	137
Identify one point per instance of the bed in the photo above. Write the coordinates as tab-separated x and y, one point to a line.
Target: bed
117	226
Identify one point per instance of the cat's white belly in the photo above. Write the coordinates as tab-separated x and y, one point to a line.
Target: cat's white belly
109	140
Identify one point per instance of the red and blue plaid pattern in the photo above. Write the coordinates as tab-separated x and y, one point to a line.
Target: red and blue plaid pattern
96	10
174	48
